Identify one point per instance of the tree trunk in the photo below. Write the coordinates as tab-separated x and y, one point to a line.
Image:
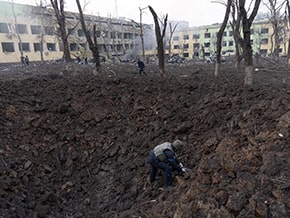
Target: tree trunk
93	45
159	38
60	17
288	53
247	48
220	37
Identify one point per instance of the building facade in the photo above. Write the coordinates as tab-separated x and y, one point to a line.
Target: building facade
33	31
199	42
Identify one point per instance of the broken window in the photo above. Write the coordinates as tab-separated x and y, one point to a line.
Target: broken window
35	29
264	30
207	35
71	32
8	47
207	44
4	28
196	46
21	28
25	46
185	46
73	46
81	33
36	47
119	35
175	38
264	41
49	30
51	46
185	37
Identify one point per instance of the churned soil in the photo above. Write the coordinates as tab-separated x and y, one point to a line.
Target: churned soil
73	142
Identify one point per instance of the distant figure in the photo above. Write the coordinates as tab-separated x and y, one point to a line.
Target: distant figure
26	60
86	60
22	59
78	60
141	67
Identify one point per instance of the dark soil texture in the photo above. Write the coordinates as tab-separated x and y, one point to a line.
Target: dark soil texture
73	143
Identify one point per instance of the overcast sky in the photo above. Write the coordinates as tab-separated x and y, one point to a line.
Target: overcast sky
196	12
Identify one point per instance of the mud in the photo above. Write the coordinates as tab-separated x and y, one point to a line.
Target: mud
73	142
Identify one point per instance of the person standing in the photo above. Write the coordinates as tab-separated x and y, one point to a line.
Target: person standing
26	60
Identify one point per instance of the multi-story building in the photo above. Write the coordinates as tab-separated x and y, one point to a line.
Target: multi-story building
33	31
197	42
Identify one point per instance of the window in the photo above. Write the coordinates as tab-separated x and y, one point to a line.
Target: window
36	47
195	36
71	32
185	37
231	43
186	55
4	28
195	46
264	41
176	47
73	46
119	35
264	30
51	46
185	46
207	35
25	47
224	43
8	47
175	38
35	29
263	52
224	33
207	44
81	33
49	30
98	34
21	28
231	33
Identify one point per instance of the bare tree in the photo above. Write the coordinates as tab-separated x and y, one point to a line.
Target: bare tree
93	45
275	18
247	48
159	37
142	32
236	27
16	29
220	36
58	6
172	30
288	11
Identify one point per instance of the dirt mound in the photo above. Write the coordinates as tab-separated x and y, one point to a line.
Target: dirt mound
74	143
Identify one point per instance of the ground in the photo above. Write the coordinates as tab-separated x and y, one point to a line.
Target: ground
73	142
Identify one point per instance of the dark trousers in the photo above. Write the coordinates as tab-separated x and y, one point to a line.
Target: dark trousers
155	165
141	70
